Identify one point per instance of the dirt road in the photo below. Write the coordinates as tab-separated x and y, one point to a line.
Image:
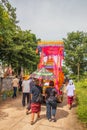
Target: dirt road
13	117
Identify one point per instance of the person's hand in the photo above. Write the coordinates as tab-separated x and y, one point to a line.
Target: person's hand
74	97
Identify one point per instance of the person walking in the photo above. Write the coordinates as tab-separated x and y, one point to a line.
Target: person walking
15	83
20	84
25	90
31	85
35	105
70	88
51	102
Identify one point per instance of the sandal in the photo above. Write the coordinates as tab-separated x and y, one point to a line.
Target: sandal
32	122
38	118
50	120
54	120
27	113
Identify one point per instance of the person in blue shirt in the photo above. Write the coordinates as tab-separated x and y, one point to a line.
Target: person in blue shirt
35	106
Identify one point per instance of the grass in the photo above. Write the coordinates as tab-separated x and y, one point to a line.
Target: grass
81	91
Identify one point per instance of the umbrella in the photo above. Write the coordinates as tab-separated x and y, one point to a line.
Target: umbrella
43	74
34	73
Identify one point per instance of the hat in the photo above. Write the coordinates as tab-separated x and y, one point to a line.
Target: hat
71	81
37	81
26	77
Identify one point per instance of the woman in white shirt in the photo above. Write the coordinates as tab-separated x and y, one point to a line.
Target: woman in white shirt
70	93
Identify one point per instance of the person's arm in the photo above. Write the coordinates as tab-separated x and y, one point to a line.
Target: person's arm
46	93
12	83
66	89
56	94
41	91
30	96
22	86
18	82
31	93
74	91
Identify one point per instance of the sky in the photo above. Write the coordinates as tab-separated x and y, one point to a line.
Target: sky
51	19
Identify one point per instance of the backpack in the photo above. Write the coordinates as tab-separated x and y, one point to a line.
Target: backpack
39	98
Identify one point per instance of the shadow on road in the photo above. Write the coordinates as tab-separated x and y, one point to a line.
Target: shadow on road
3	115
61	114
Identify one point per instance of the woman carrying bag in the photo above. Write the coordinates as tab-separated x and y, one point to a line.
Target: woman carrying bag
51	102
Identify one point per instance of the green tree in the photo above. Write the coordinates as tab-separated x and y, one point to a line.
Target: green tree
7	30
76	52
24	52
17	47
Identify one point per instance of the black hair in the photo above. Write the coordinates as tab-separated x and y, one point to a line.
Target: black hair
51	83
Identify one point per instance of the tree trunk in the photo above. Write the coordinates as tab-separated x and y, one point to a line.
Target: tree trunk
78	68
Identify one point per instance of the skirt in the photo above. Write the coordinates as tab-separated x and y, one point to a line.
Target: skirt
35	107
70	100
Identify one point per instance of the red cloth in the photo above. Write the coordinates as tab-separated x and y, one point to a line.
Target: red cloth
35	107
70	100
53	50
60	92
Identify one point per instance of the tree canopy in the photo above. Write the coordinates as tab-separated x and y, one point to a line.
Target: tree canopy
17	47
76	52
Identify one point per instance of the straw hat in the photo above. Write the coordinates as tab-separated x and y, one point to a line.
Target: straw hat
26	77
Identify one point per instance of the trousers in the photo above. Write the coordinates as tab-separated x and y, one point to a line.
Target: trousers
50	110
25	95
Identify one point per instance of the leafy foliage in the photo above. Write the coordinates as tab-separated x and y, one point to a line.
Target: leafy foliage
76	52
81	90
17	47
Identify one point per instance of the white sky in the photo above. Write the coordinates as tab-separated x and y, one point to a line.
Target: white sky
51	19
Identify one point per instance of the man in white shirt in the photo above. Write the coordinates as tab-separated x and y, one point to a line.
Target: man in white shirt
70	93
25	90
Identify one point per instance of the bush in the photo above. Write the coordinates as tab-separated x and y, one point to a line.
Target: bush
81	91
7	93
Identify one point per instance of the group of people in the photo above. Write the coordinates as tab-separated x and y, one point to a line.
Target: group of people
34	90
31	90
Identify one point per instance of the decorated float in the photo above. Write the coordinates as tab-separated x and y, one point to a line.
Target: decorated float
51	58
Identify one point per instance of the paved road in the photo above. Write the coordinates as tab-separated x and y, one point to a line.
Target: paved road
13	117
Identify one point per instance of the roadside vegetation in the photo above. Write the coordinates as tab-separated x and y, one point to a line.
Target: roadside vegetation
76	68
81	91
